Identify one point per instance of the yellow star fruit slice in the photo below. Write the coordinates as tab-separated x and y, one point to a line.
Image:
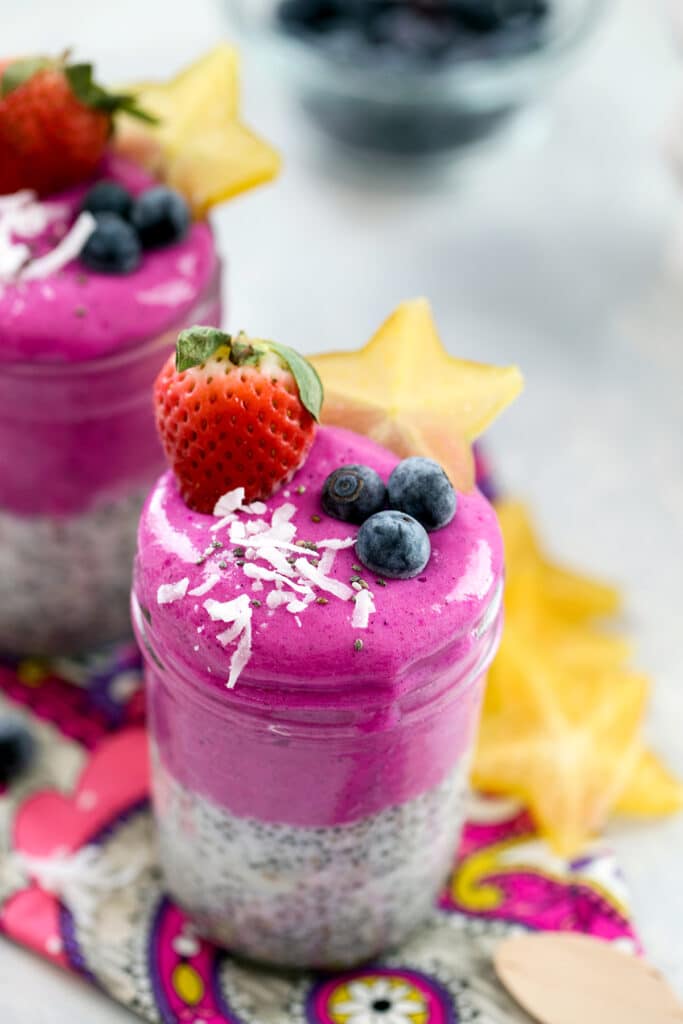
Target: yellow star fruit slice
199	144
571	595
406	392
562	716
565	751
651	790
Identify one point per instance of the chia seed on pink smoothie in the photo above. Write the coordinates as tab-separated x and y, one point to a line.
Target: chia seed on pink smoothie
310	814
79	352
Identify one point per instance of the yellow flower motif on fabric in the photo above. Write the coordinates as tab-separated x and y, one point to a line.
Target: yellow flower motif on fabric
32	672
378	999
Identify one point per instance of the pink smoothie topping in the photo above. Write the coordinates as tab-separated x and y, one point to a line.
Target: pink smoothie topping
215	608
76	314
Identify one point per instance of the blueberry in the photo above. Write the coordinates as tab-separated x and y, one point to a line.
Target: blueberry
415	33
16	749
352	493
161	217
312	15
108	197
393	544
113	247
420	487
492	15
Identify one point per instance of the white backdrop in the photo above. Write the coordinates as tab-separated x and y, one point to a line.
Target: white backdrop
562	252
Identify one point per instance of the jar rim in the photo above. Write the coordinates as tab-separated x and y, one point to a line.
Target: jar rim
131	352
254	701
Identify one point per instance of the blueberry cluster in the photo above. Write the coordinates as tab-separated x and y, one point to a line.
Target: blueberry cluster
422	31
16	749
395	519
127	225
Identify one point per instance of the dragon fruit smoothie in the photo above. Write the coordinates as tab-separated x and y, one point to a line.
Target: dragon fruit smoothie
310	814
78	452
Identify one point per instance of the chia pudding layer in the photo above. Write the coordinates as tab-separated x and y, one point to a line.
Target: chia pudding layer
66	581
296	895
309	814
79	352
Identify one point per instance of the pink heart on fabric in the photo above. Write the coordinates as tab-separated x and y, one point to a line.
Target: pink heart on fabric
115	778
31	917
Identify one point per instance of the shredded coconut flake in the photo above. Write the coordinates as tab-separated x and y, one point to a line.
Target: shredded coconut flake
283	514
238	613
276	598
256	508
64	252
335	587
269	539
327	561
15	200
255	526
226	611
13	256
237	532
259	572
231	633
275	558
20	215
208	584
168	593
363	608
230	502
336	543
240	657
222	523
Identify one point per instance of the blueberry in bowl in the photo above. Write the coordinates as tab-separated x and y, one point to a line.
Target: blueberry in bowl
415	78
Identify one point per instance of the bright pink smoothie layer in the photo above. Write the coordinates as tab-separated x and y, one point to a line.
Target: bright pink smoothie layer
421	657
80	352
77	314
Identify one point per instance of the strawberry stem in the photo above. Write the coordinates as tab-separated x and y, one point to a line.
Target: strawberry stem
81	82
197	344
85	89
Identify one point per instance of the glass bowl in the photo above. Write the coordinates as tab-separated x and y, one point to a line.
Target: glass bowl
406	78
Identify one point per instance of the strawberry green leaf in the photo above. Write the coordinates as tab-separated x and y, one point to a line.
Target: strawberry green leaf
197	344
307	380
19	71
84	88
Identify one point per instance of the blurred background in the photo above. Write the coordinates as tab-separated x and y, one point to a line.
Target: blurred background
553	240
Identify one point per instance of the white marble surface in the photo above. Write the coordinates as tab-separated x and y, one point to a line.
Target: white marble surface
565	255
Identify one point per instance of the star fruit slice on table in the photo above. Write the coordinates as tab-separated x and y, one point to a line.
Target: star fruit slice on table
406	392
198	144
562	718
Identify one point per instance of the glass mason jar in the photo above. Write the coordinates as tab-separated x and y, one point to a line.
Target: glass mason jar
305	834
78	454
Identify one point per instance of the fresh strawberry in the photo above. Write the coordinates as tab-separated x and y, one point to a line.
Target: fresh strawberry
234	412
54	123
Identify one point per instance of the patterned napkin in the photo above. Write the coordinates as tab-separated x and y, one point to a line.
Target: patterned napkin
79	883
